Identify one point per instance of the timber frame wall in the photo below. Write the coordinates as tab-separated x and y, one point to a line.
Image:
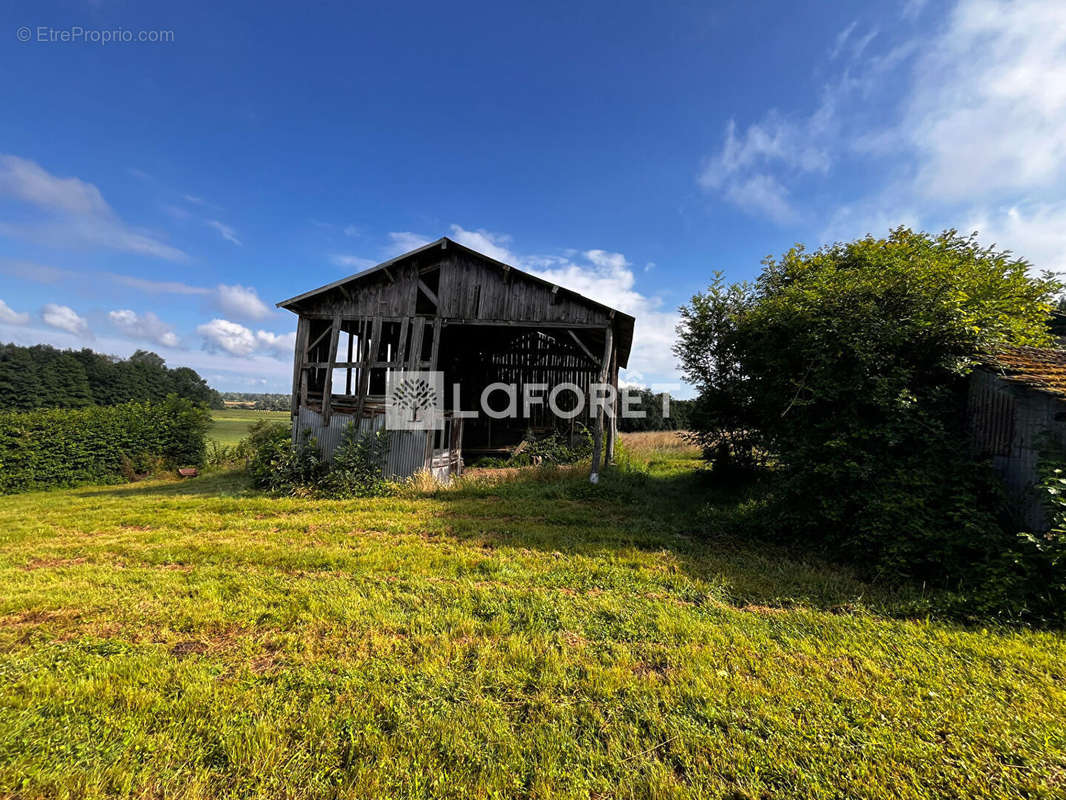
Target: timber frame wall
446	307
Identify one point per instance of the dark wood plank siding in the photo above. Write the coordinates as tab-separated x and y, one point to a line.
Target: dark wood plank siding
472	290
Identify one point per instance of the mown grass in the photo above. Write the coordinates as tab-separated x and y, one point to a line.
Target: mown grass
230	425
521	634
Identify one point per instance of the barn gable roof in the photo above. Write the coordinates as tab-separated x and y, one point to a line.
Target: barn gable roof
623	322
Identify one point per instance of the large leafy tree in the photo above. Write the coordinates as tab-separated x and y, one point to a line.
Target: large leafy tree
844	367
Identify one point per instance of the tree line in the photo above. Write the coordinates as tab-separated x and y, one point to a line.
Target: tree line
41	376
258	401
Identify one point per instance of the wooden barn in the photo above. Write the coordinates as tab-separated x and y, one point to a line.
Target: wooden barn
447	308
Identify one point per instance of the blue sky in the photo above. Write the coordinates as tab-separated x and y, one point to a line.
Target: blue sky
166	194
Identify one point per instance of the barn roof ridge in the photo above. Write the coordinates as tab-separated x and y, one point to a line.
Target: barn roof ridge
445	243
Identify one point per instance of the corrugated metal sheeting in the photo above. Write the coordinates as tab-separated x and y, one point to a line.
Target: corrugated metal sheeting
407	449
991	415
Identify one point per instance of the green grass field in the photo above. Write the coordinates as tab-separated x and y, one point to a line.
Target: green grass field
230	425
520	635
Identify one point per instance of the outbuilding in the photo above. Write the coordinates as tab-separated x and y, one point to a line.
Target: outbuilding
1016	411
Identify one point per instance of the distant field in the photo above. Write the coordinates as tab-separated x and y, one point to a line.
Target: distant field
232	424
520	634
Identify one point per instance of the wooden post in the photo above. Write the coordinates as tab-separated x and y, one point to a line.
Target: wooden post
612	420
331	357
597	436
369	345
299	357
348	377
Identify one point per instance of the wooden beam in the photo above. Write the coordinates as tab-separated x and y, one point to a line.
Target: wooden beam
416	343
428	292
369	349
436	345
320	337
327	389
348	377
584	349
612	420
400	356
597	436
521	323
299	356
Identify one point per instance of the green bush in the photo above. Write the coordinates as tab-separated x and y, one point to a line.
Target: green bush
358	466
844	372
278	465
100	444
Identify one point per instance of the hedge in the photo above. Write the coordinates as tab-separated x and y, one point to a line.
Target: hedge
101	444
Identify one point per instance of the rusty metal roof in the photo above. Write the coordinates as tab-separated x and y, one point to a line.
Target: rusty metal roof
1041	368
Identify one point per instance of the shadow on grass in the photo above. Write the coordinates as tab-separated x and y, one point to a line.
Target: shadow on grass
716	532
213	484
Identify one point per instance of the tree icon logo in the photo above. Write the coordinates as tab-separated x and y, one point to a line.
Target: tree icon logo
413	401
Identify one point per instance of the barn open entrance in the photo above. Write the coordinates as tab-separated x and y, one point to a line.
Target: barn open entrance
476	356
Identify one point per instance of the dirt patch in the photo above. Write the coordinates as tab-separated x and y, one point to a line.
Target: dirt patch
264	665
188	648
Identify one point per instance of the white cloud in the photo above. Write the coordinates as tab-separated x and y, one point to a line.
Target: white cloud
351	262
841	40
740	169
405	241
177	212
763	194
960	125
79	216
912	8
241	301
352	230
494	245
156	287
65	319
88	233
1040	228
235	339
32	271
988	109
144	326
225	231
27	181
12	317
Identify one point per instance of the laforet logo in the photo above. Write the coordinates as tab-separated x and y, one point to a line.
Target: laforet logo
414	401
